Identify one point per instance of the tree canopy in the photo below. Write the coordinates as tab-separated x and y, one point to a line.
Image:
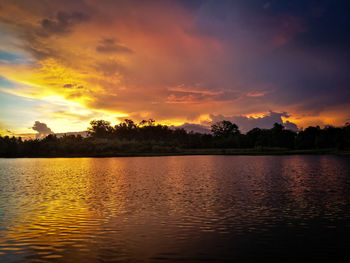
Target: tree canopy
147	137
225	129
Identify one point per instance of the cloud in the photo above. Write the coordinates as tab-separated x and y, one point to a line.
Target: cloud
229	58
192	127
62	23
245	124
290	126
68	86
42	129
72	86
110	45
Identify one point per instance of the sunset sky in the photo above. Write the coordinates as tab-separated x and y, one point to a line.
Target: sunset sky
67	62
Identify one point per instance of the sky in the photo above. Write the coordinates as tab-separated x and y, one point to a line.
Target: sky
64	63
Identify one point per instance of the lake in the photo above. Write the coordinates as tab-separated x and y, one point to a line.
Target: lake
175	209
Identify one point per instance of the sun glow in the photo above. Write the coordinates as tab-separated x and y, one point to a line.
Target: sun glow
113	61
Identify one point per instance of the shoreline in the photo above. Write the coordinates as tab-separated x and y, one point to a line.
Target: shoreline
192	152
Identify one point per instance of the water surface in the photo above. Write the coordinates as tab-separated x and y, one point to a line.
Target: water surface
172	209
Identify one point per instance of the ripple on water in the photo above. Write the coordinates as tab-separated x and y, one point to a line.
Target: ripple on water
193	208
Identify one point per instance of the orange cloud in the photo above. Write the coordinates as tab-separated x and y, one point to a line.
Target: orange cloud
117	59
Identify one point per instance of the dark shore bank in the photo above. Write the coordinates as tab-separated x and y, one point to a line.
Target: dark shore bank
251	152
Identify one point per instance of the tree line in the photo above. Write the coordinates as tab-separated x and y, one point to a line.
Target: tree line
147	137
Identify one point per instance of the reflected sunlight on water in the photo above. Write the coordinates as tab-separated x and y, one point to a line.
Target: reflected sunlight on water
191	208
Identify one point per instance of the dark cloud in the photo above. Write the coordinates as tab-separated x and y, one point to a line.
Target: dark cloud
62	23
68	86
299	48
266	122
72	86
110	45
191	127
290	126
42	129
74	91
251	55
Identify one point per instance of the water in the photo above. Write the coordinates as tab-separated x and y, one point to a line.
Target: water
175	209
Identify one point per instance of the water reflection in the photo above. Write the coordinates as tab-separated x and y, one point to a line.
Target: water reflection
192	208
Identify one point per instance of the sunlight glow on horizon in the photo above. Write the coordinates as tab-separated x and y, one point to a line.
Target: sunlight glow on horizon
74	62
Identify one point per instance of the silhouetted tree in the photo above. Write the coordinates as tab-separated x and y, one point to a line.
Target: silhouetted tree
306	139
224	129
129	137
100	129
